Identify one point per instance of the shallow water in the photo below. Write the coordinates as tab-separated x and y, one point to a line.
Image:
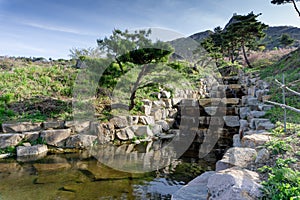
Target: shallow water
82	177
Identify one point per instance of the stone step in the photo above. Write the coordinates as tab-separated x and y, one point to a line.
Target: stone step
261	124
217	101
21	127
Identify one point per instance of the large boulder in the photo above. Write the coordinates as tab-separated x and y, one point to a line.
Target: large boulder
195	189
234	183
9	139
236	156
54	137
31	150
21	127
81	141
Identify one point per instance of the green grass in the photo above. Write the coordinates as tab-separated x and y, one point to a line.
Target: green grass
283	177
36	92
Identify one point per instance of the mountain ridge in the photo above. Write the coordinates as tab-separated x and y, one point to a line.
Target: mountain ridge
271	40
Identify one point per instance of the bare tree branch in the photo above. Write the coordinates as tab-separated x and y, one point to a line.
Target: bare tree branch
283	106
295	6
289	89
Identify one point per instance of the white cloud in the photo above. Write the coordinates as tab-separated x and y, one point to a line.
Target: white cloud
57	28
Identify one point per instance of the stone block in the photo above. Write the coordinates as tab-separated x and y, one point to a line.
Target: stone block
232	121
53	124
10	139
81	141
21	127
54	137
142	131
31	150
255	140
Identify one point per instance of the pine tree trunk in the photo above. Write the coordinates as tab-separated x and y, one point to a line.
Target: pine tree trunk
135	87
245	56
120	65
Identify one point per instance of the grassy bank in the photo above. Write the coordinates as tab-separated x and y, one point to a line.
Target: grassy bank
35	91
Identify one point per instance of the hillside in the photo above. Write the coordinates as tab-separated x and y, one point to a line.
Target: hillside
289	65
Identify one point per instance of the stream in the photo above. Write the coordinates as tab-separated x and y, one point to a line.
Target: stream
80	176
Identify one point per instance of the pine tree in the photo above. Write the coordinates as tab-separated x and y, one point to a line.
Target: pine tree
279	2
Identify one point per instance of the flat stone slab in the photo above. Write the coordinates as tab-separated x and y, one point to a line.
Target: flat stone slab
231	101
209	101
216	101
236	156
31	150
255	140
21	127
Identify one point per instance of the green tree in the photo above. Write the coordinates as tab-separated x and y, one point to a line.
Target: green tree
286	40
279	2
122	42
245	31
136	48
77	53
242	33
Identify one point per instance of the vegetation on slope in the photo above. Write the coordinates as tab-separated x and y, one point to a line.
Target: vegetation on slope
289	66
35	91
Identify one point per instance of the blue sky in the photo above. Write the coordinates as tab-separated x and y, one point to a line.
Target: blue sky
50	28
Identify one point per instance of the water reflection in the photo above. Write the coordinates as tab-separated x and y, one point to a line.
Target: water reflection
82	177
